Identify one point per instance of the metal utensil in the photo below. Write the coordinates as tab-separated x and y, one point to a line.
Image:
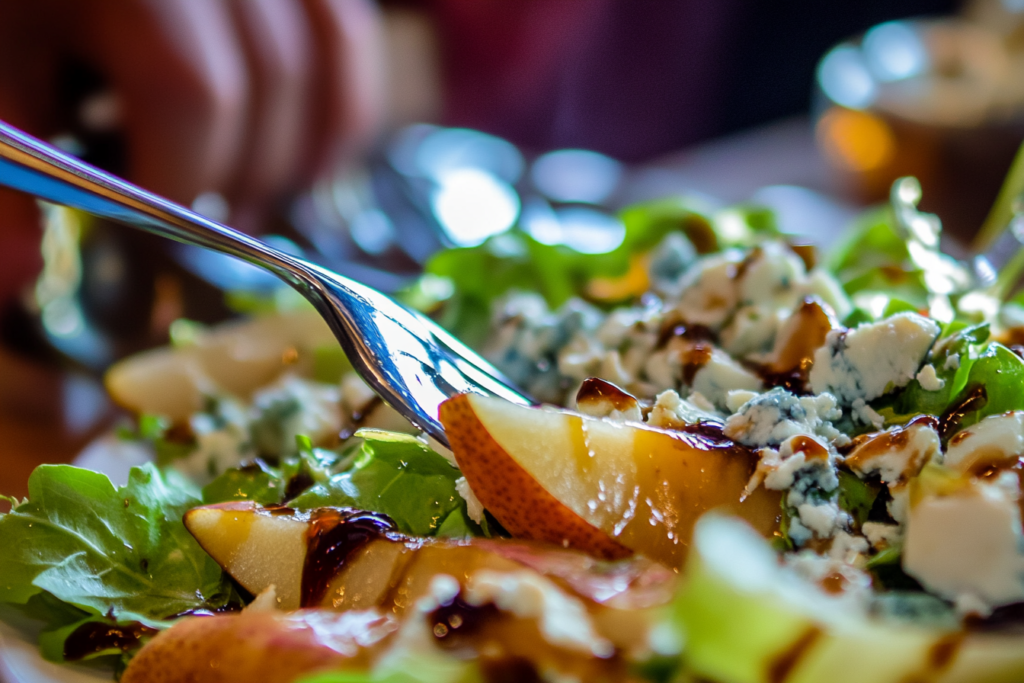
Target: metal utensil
412	363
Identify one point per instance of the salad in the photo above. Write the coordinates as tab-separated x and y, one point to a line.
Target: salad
753	463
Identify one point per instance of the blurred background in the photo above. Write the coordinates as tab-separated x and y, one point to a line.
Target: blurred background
369	135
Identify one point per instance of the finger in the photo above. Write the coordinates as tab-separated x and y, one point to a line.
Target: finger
277	43
177	70
348	81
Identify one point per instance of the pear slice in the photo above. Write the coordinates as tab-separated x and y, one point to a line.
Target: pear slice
261	547
261	646
749	619
256	546
603	487
236	358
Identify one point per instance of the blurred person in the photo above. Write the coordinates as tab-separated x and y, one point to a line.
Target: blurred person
248	99
253	99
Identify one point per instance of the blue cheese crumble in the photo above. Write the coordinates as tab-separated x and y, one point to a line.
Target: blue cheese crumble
872	359
770	418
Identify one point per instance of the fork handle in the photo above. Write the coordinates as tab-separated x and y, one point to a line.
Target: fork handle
39	169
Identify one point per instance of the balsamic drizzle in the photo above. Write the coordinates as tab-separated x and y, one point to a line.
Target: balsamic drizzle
95	636
332	537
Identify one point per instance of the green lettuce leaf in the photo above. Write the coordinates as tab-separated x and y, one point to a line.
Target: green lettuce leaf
856	496
119	552
398	475
476	276
957	339
871	242
257	482
512	261
872	257
73	642
1000	372
155	430
459	525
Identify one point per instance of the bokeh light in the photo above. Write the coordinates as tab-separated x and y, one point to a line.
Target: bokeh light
576	175
894	51
855	140
845	78
472	205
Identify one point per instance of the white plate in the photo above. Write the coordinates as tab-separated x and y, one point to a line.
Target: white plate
20	661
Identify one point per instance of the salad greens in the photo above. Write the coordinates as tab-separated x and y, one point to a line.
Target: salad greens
873	258
959	342
857	496
999	373
107	550
395	474
155	430
255	481
79	550
984	380
402	477
1003	210
474	277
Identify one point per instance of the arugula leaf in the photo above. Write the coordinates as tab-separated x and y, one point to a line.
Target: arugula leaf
514	260
782	542
887	570
156	430
914	399
659	668
871	242
888	556
647	223
107	551
309	467
77	641
856	496
459	525
1001	373
856	317
1002	211
894	306
398	475
873	258
476	276
257	482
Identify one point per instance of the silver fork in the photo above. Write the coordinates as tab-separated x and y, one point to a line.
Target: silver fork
411	362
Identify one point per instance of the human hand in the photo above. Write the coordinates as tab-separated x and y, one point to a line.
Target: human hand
248	98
